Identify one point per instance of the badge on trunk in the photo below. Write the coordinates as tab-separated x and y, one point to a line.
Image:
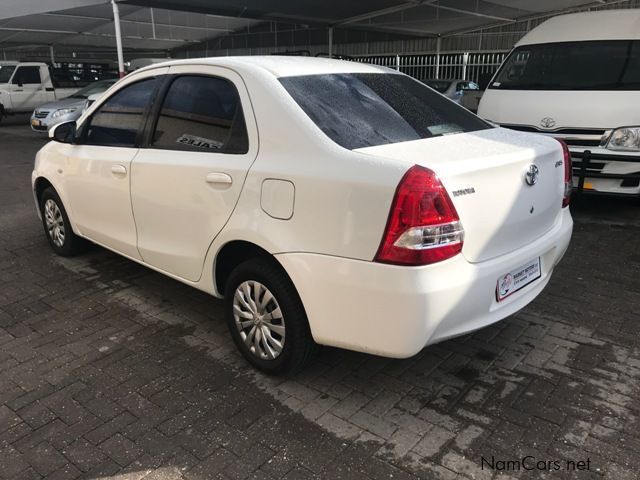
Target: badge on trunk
531	174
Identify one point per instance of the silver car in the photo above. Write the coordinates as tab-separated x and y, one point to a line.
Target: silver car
67	109
453	89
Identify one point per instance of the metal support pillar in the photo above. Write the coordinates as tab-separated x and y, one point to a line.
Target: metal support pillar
153	24
116	22
330	42
465	62
438	58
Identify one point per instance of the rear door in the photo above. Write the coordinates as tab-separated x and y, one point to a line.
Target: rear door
185	184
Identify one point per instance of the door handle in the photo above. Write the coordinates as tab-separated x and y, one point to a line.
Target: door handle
118	170
221	178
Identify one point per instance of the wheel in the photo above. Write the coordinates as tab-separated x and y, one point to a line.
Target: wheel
57	227
266	317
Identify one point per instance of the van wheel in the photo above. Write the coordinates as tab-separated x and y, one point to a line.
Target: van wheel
266	317
57	227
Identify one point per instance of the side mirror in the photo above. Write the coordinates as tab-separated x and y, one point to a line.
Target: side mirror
63	132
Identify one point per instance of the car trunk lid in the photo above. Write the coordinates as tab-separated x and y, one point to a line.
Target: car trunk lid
484	173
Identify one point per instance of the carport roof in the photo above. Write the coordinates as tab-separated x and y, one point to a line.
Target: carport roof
168	24
413	17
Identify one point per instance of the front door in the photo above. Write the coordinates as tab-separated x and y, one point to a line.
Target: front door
98	170
185	185
27	91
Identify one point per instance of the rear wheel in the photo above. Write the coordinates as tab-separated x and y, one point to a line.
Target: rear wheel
266	317
57	227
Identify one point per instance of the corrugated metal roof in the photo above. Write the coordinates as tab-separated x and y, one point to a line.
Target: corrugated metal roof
165	25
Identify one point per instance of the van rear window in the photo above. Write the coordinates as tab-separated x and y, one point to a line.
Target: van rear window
594	65
358	110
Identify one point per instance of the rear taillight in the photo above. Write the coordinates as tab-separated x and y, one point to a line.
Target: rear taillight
568	174
423	225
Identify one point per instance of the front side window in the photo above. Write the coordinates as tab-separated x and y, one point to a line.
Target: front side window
27	76
593	65
358	110
117	122
201	114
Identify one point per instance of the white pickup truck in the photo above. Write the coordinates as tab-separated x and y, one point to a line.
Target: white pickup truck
25	85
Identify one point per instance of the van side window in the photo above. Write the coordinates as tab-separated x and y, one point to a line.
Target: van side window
27	76
117	121
201	114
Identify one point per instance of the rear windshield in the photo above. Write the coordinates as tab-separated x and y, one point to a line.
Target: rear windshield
596	65
358	110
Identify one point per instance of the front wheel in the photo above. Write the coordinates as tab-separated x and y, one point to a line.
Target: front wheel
57	227
266	317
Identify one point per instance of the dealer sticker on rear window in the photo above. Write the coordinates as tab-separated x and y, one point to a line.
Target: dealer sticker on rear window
518	279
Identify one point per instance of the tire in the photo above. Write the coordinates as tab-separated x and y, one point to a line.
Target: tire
280	313
57	227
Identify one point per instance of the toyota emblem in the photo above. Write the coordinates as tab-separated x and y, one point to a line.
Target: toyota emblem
547	122
531	175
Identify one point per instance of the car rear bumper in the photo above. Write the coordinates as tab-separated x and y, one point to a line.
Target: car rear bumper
396	311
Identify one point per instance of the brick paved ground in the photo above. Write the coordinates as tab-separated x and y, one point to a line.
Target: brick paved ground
108	370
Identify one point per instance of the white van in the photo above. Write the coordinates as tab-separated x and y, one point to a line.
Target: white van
577	77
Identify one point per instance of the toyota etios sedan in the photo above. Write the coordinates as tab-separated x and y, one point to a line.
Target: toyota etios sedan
328	202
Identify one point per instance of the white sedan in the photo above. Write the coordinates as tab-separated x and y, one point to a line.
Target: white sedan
328	202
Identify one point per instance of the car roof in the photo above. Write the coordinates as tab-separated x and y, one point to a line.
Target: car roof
280	65
585	26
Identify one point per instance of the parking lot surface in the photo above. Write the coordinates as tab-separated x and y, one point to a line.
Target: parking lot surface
109	370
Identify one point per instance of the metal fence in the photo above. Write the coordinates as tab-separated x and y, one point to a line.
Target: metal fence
466	66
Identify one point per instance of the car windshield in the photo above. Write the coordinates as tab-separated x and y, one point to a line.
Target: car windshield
595	65
358	110
95	87
5	73
438	85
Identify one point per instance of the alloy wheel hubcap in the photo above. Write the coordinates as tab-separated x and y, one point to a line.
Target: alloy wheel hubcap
54	222
259	320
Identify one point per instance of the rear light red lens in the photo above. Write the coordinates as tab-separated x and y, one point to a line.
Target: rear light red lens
568	174
423	226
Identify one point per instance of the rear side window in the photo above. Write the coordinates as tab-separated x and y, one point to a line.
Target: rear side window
358	110
117	121
201	114
27	75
